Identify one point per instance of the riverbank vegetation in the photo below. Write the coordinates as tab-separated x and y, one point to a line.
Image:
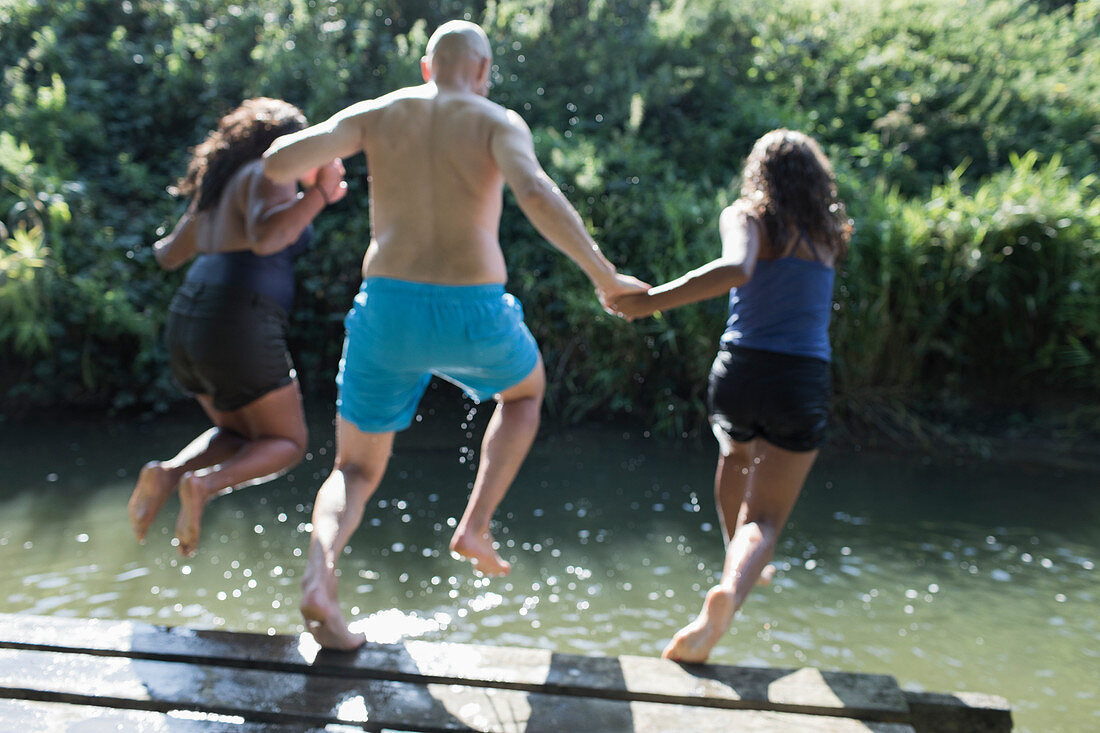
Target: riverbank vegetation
966	135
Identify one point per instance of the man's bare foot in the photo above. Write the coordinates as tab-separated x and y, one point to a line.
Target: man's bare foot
193	497
323	619
478	549
154	485
694	642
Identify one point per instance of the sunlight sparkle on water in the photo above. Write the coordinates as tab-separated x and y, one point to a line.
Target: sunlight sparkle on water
873	576
391	625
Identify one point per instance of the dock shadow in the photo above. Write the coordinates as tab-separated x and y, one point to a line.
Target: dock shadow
562	707
807	690
281	681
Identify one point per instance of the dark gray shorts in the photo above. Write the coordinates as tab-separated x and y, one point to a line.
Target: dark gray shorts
781	398
227	342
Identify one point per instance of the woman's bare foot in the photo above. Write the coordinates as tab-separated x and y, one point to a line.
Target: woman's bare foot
477	547
154	485
694	642
322	615
194	494
767	575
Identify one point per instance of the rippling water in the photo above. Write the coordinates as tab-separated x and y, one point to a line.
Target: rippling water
973	577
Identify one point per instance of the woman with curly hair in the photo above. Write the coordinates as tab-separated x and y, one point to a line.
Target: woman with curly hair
226	328
769	388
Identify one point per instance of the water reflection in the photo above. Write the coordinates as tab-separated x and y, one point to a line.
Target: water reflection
948	577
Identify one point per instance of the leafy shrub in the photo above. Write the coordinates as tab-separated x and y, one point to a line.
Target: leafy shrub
990	292
965	135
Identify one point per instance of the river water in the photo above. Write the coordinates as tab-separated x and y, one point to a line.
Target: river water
978	577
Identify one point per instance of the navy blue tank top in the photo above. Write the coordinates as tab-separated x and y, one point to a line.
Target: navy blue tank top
784	307
269	275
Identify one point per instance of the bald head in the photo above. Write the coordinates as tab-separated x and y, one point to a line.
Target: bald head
458	54
456	39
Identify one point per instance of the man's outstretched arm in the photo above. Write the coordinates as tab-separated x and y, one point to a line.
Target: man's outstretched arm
544	205
292	156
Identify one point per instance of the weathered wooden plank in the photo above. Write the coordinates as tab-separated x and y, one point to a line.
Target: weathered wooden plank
312	700
958	712
33	716
807	691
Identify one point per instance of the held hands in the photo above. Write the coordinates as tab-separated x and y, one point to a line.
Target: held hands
638	304
329	179
622	287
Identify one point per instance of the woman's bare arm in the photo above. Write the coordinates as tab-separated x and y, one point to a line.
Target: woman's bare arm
740	236
276	214
179	245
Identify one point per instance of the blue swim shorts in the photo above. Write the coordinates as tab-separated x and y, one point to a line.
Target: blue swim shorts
399	333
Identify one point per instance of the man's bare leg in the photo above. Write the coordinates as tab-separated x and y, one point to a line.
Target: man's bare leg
774	486
275	426
361	460
158	479
508	438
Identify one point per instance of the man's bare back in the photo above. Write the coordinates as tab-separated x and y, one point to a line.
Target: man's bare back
435	188
439	154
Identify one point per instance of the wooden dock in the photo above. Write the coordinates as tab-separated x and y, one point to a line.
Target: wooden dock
71	674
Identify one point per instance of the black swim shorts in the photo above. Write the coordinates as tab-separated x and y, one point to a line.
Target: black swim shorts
781	398
227	342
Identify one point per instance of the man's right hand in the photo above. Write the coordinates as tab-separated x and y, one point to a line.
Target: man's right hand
330	179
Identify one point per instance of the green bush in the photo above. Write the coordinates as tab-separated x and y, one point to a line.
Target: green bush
990	291
965	135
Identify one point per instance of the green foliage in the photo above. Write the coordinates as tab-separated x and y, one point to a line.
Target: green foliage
965	135
24	309
994	288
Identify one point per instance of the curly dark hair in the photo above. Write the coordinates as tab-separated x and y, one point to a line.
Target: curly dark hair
241	136
788	182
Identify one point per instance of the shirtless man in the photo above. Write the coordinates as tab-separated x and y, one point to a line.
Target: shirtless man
433	299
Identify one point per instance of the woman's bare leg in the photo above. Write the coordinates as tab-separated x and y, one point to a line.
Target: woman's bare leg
159	479
731	483
774	485
508	438
361	460
275	428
